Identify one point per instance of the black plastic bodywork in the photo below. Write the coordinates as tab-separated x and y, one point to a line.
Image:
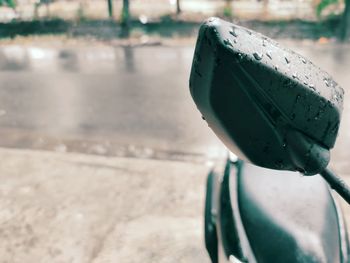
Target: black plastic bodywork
266	103
272	216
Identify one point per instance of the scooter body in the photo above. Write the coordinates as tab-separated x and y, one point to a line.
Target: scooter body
255	214
281	113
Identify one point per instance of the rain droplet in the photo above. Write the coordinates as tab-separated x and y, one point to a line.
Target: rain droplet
303	60
326	82
276	67
264	43
257	56
203	118
287	60
227	42
305	83
287	83
233	32
268	54
279	164
312	86
198	73
301	171
235	41
239	56
295	75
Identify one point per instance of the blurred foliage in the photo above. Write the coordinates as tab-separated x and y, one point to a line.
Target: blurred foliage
125	14
10	3
80	13
227	11
323	4
124	17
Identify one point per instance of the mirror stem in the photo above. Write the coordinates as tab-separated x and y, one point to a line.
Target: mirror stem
337	184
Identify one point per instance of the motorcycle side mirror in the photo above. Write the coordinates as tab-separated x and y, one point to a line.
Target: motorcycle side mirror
268	104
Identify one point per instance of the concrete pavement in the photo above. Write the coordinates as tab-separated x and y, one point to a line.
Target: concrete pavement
77	208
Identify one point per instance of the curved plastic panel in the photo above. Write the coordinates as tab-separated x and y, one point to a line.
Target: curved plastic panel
288	218
266	103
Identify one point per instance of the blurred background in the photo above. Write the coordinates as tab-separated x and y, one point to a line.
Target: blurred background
104	156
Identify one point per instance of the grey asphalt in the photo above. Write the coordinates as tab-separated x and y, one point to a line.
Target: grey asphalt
64	207
113	99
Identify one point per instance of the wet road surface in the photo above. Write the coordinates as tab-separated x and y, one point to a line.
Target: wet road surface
102	100
123	101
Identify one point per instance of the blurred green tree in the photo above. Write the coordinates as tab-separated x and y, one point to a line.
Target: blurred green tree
9	3
110	8
228	9
323	4
125	19
345	20
345	26
178	8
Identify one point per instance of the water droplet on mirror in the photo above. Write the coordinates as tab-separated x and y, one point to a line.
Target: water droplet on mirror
197	72
227	42
268	54
239	56
257	56
279	164
233	32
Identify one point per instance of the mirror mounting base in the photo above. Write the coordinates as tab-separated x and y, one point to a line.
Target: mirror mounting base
337	184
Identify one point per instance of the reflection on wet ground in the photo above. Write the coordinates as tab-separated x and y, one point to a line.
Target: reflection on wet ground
122	100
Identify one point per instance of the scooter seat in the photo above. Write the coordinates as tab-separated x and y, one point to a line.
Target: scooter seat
288	217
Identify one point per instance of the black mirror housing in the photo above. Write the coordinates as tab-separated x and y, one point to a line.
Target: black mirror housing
266	103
